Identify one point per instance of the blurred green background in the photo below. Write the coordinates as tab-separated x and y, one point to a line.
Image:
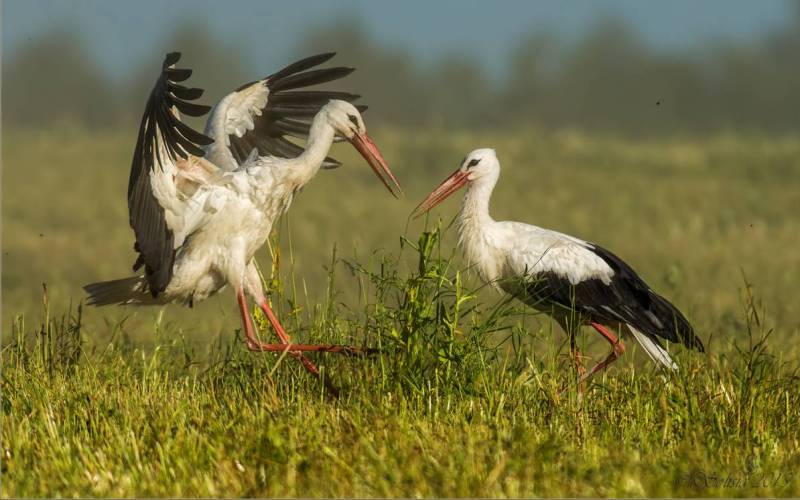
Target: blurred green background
639	68
667	132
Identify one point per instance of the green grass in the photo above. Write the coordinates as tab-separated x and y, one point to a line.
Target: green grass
465	399
448	409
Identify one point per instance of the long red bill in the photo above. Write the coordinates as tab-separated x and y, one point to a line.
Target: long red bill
450	185
370	152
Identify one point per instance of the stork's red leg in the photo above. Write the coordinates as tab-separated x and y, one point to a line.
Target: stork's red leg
284	337
617	349
578	360
294	350
255	345
273	320
576	356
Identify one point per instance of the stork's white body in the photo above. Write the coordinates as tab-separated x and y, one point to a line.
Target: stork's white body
220	217
505	251
229	215
239	214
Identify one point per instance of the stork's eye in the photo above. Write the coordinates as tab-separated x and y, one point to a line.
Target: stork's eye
473	162
353	120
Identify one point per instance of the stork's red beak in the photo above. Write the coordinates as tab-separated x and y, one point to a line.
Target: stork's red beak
369	151
450	185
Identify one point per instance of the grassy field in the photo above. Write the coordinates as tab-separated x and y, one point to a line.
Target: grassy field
466	397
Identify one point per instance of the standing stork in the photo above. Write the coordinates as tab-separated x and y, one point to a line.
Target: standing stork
201	205
574	281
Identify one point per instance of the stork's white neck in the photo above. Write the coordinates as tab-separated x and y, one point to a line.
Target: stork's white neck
475	205
476	228
320	138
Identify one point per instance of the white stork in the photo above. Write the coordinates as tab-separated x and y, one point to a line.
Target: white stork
574	281
201	205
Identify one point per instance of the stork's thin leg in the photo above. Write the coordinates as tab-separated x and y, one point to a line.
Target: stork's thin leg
617	349
576	355
255	345
578	360
254	287
285	339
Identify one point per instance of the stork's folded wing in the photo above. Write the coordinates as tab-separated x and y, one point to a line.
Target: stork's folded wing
163	140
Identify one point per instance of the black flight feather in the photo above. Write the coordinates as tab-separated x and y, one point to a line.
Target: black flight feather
301	65
288	112
308	78
154	239
186	93
626	299
311	97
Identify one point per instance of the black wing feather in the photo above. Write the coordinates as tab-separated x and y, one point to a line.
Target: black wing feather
288	112
308	78
311	97
302	65
189	108
627	299
186	93
294	128
154	239
176	75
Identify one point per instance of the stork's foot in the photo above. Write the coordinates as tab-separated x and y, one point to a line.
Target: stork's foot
581	372
286	345
617	351
296	351
254	345
310	367
577	361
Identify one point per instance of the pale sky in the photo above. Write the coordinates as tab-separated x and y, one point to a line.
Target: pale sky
121	33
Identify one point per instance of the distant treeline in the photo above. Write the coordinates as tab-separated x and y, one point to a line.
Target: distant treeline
609	81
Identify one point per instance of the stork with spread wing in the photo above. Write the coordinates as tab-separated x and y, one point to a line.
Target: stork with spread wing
201	205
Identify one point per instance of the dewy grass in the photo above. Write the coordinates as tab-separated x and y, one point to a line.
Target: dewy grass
465	399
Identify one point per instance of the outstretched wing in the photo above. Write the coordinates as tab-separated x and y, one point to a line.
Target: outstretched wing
262	115
163	141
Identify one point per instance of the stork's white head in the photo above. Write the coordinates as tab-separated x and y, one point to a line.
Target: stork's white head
480	163
348	123
344	118
478	167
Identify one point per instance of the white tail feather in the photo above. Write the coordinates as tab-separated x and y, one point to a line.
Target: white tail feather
655	351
